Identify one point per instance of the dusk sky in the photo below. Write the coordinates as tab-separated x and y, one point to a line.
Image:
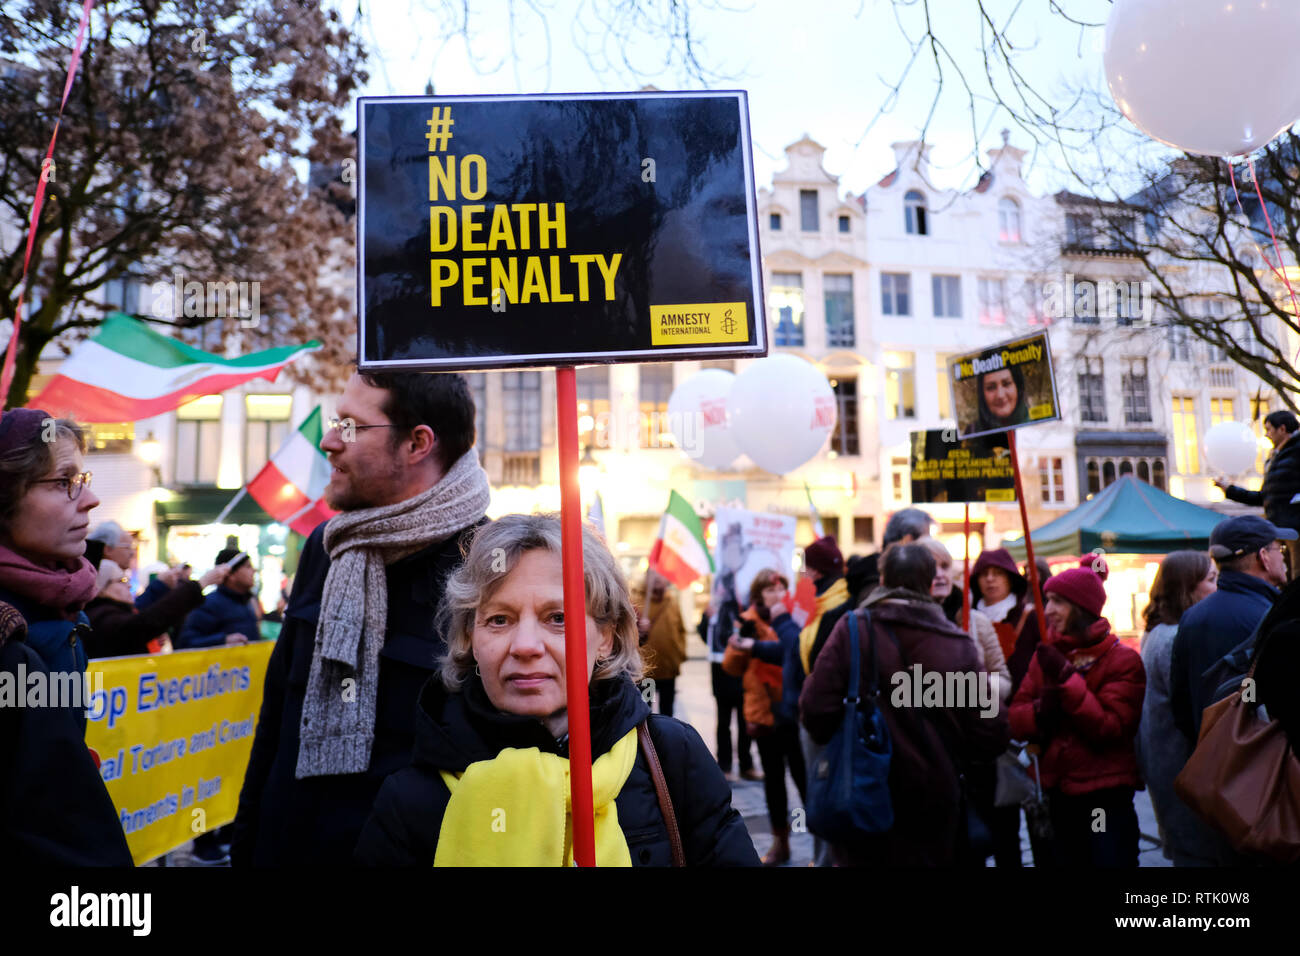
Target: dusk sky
821	67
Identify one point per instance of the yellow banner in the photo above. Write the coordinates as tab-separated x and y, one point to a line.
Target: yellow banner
173	733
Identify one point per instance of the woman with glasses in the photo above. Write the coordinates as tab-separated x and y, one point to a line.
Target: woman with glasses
57	811
45	505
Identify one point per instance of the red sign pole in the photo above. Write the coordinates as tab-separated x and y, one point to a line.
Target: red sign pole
965	578
1029	545
575	621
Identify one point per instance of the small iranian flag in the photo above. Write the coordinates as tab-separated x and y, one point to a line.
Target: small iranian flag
289	487
679	552
127	371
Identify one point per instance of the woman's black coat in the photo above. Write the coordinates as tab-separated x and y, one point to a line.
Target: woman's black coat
455	730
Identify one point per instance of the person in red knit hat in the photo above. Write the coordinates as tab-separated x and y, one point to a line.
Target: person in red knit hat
1081	702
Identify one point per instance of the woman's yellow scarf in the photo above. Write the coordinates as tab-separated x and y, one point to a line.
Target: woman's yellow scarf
513	810
833	596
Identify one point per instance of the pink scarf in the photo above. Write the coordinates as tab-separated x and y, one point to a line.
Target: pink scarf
64	589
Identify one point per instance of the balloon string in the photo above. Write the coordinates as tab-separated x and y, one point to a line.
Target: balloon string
1268	220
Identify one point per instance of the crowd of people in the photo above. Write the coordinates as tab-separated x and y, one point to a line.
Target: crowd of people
450	629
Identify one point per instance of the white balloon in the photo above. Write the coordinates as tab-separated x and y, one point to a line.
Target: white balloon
782	409
1216	77
1231	448
699	418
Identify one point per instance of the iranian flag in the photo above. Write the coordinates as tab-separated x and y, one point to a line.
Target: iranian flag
289	487
679	552
127	371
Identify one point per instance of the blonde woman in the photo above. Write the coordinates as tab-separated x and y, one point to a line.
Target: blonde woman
489	783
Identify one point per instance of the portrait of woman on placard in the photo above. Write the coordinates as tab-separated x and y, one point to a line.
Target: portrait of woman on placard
1002	400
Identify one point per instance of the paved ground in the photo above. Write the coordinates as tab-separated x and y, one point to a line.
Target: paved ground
694	704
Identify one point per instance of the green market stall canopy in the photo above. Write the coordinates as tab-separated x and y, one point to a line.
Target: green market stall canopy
1128	517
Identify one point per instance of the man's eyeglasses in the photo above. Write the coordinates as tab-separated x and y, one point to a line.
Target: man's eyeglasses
341	424
71	485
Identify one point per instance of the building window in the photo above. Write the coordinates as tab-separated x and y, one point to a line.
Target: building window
1009	220
198	441
266	426
1078	230
1051	480
947	296
900	384
1130	303
1125	468
915	215
993	301
1092	390
895	293
1094	476
1108	473
656	385
1144	471
1126	233
864	530
117	438
808	210
1221	411
1179	350
1086	310
942	387
899	479
844	223
838	292
774	222
1189	462
521	395
478	391
1258	409
787	300
1137	397
844	439
593	406
1158	473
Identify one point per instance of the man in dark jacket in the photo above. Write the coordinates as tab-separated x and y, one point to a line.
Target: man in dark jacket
56	809
1279	495
932	745
227	615
1248	552
339	706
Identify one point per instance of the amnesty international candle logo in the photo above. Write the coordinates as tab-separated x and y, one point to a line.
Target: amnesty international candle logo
507	231
1004	387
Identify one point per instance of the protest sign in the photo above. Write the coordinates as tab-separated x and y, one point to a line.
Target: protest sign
1004	386
173	734
946	468
505	231
748	542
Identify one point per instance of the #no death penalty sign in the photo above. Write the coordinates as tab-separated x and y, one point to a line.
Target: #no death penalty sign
500	231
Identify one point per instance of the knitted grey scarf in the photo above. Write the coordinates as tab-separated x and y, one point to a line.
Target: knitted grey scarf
338	711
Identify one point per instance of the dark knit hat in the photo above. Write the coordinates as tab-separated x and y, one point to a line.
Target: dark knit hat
998	558
19	427
824	557
232	554
1081	586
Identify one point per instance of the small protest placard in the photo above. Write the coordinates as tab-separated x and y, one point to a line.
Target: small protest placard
945	468
1003	387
